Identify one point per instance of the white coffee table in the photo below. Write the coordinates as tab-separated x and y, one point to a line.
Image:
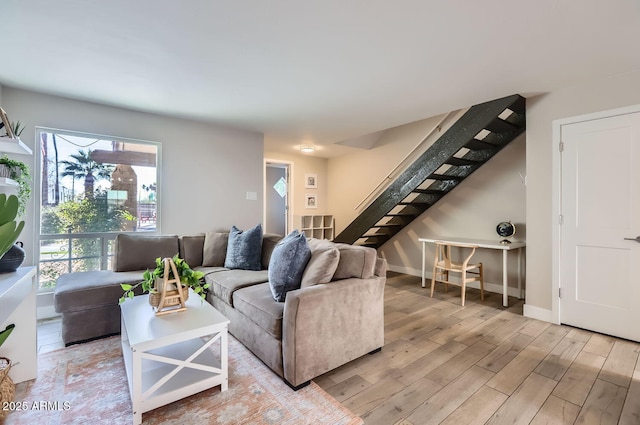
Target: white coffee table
166	357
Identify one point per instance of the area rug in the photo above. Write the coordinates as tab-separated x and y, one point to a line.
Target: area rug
86	384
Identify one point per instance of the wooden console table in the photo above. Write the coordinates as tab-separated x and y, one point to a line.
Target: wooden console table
489	244
18	306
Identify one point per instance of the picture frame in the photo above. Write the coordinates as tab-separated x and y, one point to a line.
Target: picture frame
311	181
7	123
311	201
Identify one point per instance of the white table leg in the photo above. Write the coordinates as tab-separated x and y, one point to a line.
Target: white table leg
136	387
520	294
505	282
224	360
423	261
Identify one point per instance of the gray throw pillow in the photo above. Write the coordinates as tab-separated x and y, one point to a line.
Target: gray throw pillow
244	249
288	261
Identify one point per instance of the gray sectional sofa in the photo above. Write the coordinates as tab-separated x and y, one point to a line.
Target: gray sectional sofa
336	316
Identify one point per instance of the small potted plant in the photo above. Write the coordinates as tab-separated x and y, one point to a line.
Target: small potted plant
19	172
188	277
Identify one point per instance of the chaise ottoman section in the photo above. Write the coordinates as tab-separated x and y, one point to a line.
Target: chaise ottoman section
88	302
256	302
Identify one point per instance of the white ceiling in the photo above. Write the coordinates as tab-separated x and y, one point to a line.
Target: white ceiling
312	72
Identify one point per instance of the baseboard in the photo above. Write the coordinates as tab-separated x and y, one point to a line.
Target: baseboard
488	286
537	313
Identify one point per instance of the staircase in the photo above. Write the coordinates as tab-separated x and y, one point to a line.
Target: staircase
470	142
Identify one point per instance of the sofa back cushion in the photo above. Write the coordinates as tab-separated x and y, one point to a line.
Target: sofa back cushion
244	249
138	252
322	264
355	261
191	248
215	249
288	261
269	242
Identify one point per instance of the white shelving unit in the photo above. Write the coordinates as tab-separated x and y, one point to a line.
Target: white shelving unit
4	181
320	226
18	307
14	145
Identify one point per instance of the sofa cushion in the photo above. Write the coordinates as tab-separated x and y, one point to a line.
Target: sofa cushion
244	249
269	241
138	252
355	261
226	282
322	264
215	249
288	261
86	290
191	249
206	269
257	304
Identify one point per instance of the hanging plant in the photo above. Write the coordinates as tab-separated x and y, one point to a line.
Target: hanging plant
19	171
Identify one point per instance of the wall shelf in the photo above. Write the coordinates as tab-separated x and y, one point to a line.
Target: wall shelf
4	181
317	226
14	145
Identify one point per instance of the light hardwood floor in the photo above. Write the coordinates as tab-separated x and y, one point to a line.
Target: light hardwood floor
484	364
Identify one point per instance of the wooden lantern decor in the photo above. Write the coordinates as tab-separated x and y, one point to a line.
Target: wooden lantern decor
169	293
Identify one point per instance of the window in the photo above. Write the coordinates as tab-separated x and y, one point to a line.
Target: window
92	187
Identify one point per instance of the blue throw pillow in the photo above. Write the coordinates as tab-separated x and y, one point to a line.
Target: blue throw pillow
288	261
244	249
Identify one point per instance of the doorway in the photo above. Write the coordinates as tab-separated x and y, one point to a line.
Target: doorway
599	206
277	197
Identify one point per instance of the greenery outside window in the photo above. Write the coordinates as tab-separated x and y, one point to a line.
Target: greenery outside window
92	187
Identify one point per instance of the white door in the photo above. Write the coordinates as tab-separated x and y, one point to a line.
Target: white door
600	207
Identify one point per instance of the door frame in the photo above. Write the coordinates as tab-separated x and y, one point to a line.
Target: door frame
289	166
556	204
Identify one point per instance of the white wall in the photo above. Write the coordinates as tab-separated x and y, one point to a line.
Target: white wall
352	177
494	193
207	169
601	95
301	165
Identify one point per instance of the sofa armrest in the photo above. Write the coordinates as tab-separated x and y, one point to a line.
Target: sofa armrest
327	325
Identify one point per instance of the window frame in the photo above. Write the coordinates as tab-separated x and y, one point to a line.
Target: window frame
37	180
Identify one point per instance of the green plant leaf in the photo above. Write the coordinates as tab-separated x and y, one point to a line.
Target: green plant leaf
126	286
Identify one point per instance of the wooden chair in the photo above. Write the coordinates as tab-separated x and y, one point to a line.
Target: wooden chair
443	264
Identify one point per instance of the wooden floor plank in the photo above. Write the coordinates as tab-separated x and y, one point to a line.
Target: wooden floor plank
373	396
518	369
478	408
603	405
421	367
348	388
402	404
575	385
452	396
619	366
504	353
459	363
559	359
631	408
599	345
525	402
556	411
